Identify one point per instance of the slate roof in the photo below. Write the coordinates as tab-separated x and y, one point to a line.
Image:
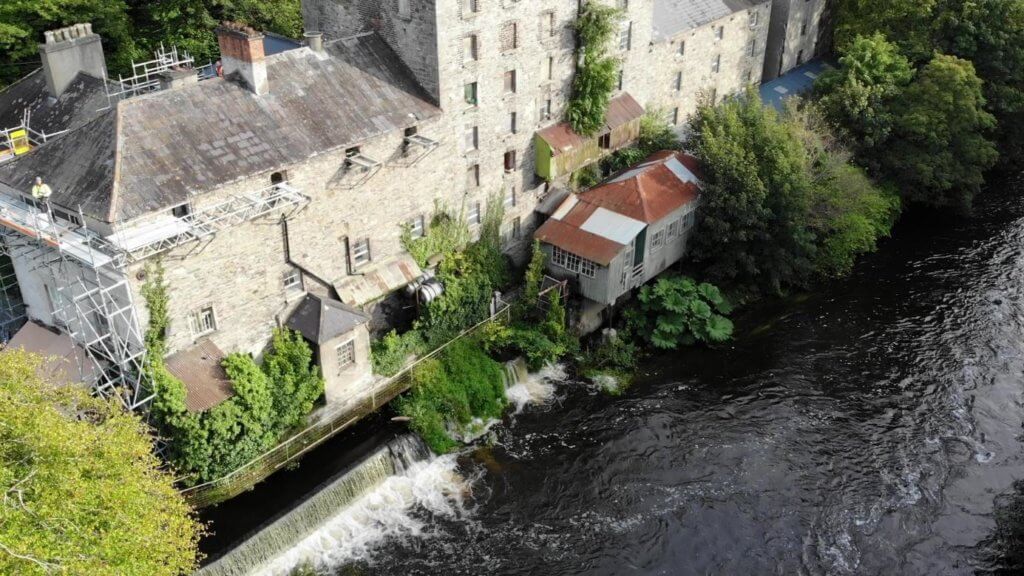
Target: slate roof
80	103
321	320
622	109
169	145
591	224
674	16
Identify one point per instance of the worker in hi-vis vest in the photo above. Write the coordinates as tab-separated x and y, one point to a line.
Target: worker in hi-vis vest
41	192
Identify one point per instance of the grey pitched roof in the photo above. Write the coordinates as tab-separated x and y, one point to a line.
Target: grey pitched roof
80	103
674	16
321	320
170	145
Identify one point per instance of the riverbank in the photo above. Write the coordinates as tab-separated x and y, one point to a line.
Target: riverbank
836	434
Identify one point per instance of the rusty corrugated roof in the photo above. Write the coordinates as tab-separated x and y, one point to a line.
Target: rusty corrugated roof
199	369
652	193
621	110
570	238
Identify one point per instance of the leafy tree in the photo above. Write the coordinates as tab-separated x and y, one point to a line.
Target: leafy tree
534	275
908	23
83	492
294	380
940	148
596	73
655	136
990	33
677	311
755	199
858	95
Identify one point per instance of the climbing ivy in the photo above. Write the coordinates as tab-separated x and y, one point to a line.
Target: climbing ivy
445	233
596	72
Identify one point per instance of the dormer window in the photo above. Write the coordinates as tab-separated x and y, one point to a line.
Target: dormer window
181	211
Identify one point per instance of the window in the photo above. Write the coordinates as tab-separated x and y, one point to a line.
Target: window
517	228
278	178
346	355
475	214
682	47
74	220
675	116
404	10
604	141
512	127
622	5
713	95
572	262
547	25
673	228
471	7
352	152
472	141
473	176
754	16
510	81
752	47
202	322
748	76
510	161
621	76
418	227
470	90
677	84
292	281
716	64
719	32
509	36
657	241
360	252
544	112
803	28
510	197
625	35
181	211
549	68
469	48
799	57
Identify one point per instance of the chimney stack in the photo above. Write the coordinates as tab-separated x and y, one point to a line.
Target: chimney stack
69	51
315	41
241	53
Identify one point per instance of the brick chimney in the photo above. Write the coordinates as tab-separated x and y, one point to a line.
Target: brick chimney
67	52
241	53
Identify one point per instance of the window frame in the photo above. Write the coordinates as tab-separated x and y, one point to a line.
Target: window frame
346	349
203	322
360	253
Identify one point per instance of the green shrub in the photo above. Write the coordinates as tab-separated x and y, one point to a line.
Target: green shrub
392	352
596	75
295	381
676	311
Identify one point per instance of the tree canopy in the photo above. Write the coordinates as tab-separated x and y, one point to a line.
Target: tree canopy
132	29
82	491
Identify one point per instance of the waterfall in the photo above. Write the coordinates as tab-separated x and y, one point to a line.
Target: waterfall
523	389
353	513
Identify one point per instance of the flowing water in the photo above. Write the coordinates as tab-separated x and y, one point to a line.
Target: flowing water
873	427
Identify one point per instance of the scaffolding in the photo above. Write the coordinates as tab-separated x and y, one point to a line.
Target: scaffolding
90	297
149	239
145	76
21	139
12	308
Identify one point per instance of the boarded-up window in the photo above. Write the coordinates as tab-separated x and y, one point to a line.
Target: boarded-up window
509	36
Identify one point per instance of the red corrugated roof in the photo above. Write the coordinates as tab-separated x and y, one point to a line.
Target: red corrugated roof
650	195
199	369
621	110
572	239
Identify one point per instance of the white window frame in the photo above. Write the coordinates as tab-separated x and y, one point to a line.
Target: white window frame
572	262
657	241
292	280
203	321
361	255
345	351
418	227
475	214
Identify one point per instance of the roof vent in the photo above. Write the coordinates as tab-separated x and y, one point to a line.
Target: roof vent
315	41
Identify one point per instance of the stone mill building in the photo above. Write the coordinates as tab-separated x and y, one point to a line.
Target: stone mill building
281	184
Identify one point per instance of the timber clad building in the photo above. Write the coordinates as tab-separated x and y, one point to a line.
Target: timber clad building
276	189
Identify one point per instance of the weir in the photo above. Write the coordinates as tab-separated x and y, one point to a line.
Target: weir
284	533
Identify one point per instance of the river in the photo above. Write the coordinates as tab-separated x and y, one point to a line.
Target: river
872	427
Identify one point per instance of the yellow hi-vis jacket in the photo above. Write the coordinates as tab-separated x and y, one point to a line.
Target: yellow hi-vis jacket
41	191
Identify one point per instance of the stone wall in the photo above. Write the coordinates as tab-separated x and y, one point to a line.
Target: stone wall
797	31
653	71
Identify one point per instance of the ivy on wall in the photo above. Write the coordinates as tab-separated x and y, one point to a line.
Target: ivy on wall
596	72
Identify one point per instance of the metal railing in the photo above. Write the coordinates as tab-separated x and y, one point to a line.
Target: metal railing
333	420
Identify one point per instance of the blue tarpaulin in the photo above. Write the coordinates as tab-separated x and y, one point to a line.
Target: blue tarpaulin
797	81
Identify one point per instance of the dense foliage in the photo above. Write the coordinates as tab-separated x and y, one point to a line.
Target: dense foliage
83	492
987	33
596	72
655	136
783	203
132	29
676	311
269	400
444	234
461	384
